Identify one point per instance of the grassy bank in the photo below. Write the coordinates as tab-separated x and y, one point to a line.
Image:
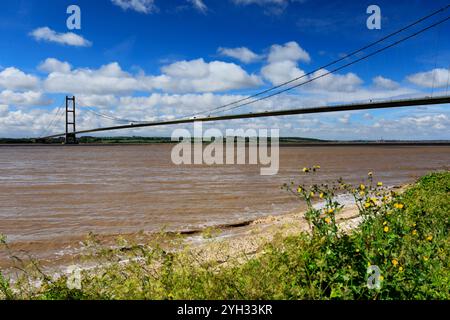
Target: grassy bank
403	238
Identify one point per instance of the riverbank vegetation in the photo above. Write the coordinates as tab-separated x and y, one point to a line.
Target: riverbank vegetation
399	250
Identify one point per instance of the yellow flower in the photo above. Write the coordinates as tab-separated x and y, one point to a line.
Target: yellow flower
370	174
327	220
380	184
362	187
317	167
414	232
321	195
367	205
384	223
386	229
425	258
362	193
398	205
394	262
357	250
305	170
330	211
299	190
400	269
381	278
312	194
430	237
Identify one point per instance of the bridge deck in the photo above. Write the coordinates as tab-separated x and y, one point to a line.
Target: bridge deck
296	111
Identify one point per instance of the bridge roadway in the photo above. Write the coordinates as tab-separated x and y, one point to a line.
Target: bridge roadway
321	109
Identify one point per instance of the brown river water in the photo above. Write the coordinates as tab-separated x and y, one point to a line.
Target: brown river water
52	196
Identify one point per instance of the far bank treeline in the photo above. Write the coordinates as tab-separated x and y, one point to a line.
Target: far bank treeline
132	140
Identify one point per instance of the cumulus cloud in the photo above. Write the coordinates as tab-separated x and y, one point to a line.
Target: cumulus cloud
107	79
348	82
68	38
54	65
242	54
141	6
181	76
27	98
3	110
385	83
425	123
281	71
290	51
200	76
283	66
272	7
437	78
282	63
199	5
15	79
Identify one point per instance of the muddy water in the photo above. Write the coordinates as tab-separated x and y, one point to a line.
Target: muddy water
51	196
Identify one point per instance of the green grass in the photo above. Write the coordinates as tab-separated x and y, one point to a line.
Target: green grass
405	235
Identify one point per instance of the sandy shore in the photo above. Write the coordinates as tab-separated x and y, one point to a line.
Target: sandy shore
246	241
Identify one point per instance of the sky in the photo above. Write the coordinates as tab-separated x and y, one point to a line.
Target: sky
147	60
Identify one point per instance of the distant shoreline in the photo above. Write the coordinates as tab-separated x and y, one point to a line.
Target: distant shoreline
282	144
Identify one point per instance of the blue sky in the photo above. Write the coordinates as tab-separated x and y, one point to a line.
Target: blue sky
155	59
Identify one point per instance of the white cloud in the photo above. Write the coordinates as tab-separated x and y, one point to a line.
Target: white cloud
423	123
345	119
283	63
200	76
437	78
349	82
243	54
289	51
199	5
54	65
27	98
108	79
4	109
385	83
182	76
15	79
283	66
282	71
271	7
68	38
142	6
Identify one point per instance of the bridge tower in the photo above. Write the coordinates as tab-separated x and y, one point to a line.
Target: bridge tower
70	121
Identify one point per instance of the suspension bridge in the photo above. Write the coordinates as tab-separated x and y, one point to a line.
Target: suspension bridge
344	62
